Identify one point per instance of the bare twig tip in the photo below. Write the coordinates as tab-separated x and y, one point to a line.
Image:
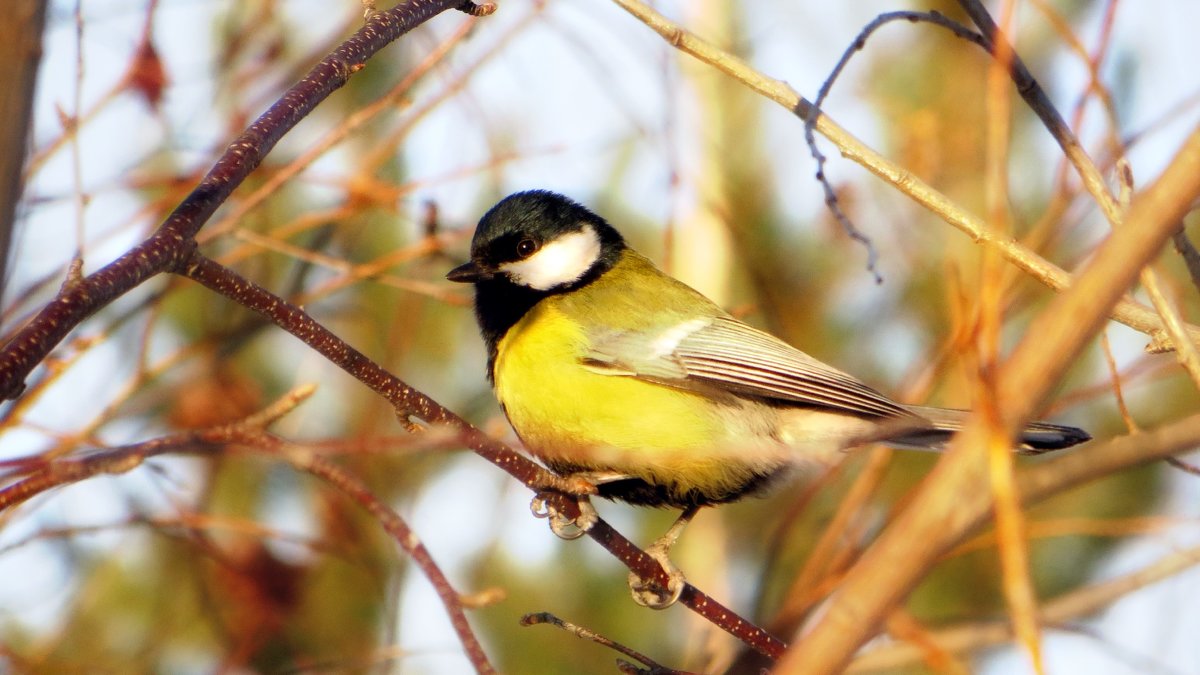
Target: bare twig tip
1191	256
1184	466
280	407
537	618
477	9
484	598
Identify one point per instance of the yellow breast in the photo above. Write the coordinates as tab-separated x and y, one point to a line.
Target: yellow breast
577	419
561	409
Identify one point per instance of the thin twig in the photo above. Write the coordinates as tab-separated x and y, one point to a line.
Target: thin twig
810	119
354	488
403	398
250	432
1067	607
172	243
1186	467
933	521
44	475
411	402
1095	86
1114	375
481	9
1191	257
1126	311
585	634
1182	340
385	103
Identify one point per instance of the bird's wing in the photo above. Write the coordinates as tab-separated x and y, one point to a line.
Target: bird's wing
727	354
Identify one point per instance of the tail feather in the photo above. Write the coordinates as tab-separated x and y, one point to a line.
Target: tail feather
1035	438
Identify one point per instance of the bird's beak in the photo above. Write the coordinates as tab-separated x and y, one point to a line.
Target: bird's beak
469	273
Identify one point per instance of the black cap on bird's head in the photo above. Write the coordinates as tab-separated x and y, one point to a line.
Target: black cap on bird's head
529	246
540	240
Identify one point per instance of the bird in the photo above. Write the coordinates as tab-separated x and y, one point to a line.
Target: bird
612	371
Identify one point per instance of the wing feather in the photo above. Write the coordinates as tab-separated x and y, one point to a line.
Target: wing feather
731	355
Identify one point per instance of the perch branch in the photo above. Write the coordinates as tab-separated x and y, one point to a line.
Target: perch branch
410	402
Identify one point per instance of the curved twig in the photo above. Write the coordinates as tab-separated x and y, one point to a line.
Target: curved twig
810	118
1133	314
354	488
251	432
1070	606
538	618
949	504
1038	101
172	243
411	402
406	400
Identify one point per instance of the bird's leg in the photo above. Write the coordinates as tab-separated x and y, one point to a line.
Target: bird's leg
648	592
580	486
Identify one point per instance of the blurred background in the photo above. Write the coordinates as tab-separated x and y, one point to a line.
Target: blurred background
238	563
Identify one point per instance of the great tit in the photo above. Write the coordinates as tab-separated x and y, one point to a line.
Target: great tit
609	369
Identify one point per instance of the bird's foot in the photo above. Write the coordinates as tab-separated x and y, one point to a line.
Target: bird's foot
562	525
649	592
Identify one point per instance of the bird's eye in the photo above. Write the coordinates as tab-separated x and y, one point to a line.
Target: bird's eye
526	247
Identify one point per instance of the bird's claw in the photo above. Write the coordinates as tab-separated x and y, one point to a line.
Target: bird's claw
562	525
649	592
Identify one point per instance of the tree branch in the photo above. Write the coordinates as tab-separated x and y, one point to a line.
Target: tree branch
1058	611
1126	311
172	243
408	401
251	432
950	502
1037	100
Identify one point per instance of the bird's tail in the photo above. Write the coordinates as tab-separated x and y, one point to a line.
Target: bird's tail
1035	438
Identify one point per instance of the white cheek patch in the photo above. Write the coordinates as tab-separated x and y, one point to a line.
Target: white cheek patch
558	263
